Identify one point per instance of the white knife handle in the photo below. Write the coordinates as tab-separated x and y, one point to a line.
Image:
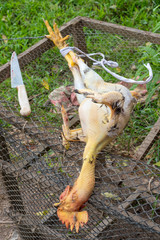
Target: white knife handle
23	101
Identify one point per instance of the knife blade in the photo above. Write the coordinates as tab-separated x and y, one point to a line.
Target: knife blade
17	82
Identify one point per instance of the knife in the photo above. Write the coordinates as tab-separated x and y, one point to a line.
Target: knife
17	82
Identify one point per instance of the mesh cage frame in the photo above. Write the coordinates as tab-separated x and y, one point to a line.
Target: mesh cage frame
35	228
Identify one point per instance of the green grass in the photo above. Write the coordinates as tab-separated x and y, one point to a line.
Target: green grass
24	19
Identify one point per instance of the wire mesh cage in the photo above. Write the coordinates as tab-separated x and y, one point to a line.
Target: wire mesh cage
36	168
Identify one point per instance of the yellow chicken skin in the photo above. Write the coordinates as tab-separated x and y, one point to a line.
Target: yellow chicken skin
104	112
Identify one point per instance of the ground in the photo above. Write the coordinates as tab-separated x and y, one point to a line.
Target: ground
7	228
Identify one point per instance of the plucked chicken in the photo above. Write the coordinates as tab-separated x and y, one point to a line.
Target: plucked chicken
104	112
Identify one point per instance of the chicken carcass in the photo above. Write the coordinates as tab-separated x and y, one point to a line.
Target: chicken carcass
104	112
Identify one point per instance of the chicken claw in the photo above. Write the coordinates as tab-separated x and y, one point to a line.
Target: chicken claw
56	37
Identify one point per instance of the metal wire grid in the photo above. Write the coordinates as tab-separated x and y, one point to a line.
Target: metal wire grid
41	168
41	183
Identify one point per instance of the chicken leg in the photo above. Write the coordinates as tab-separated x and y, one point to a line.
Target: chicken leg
67	134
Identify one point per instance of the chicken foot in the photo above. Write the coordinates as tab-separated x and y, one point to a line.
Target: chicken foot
56	37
